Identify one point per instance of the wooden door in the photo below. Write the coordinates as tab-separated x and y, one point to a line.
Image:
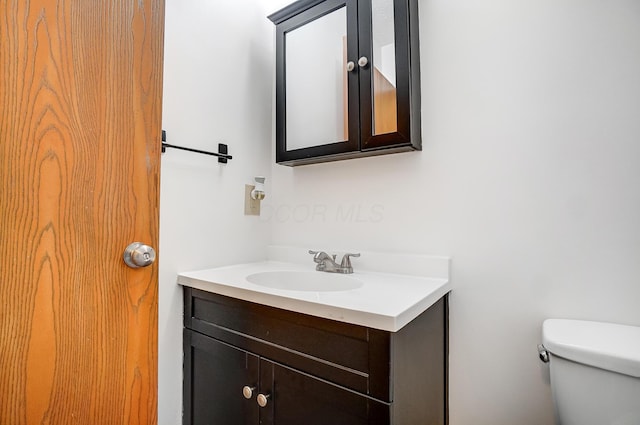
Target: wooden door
80	111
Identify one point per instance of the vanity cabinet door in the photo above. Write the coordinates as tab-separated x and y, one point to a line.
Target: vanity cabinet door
303	399
215	374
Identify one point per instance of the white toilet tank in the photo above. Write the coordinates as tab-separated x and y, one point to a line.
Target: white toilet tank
595	372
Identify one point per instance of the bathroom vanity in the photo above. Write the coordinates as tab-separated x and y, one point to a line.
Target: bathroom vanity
249	360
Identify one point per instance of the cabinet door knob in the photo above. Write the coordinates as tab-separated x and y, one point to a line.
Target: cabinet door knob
247	391
263	399
363	61
351	66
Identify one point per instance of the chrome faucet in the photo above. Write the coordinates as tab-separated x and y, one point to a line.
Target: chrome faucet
327	263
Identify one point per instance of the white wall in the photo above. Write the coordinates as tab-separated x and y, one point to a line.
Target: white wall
528	178
218	88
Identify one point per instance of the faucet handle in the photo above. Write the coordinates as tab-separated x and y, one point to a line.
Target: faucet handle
316	256
346	260
319	256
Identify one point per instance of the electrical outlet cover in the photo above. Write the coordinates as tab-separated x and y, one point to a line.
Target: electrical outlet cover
251	206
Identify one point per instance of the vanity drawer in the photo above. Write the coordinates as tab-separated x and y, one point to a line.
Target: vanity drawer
353	356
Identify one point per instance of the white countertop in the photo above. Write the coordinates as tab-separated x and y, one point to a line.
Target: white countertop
386	301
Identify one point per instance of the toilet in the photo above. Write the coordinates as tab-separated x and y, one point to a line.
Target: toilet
595	371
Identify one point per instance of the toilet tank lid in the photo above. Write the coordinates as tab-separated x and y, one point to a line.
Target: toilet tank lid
604	345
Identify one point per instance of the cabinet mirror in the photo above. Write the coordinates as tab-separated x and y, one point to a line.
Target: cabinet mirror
385	111
316	84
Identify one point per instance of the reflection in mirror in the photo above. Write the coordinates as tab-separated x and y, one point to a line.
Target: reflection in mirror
385	110
316	90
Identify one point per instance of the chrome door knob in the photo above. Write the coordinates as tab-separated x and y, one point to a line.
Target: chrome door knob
138	255
363	61
351	66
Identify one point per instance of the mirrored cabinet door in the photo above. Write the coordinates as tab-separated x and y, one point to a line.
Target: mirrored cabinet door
317	90
390	91
383	67
316	82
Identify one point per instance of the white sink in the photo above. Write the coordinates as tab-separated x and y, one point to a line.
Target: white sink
386	291
305	281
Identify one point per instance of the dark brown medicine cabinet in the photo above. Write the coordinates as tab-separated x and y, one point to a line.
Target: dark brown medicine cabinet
347	79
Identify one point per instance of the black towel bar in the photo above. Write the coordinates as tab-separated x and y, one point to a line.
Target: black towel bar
222	153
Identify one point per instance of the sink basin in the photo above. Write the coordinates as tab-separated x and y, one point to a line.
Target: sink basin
305	281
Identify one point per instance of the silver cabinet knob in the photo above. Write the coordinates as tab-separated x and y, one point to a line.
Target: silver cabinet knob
351	66
138	255
363	61
247	391
263	399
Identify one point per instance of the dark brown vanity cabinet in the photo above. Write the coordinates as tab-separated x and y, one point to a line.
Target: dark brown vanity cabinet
347	79
247	363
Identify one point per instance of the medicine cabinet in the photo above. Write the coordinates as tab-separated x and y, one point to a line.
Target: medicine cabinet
347	79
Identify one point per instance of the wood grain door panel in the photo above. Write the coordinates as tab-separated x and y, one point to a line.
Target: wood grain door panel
80	119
